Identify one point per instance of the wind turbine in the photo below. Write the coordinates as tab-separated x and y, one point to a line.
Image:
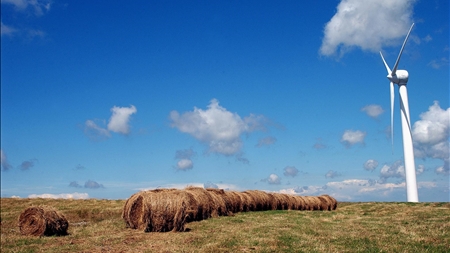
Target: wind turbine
400	77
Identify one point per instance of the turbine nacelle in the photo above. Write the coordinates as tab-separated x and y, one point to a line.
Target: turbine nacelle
400	77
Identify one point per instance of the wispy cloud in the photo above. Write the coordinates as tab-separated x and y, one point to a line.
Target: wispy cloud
26	165
36	7
7	30
217	127
266	141
368	25
4	161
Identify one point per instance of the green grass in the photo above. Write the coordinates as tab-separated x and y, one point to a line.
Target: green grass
97	226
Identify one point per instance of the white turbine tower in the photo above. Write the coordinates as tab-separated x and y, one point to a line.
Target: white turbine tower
400	77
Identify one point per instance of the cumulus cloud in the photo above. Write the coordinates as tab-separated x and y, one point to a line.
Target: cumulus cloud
118	123
368	25
185	164
431	135
266	141
92	185
74	195
350	138
184	159
370	165
272	179
395	170
290	171
372	111
220	129
4	161
332	174
26	165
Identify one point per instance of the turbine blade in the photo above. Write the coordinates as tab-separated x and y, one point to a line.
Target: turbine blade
385	64
401	51
392	115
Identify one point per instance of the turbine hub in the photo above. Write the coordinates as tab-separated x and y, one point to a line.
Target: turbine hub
400	77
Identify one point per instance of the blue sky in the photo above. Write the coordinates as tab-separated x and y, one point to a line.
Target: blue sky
103	99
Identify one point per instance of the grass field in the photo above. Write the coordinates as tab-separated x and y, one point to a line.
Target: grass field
97	226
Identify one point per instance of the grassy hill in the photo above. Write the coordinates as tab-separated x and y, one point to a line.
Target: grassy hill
97	226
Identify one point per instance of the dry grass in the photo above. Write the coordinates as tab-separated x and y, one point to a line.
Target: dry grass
97	226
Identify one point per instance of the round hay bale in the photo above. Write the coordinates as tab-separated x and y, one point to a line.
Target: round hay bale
127	209
205	203
282	201
262	200
234	201
332	202
220	201
42	221
314	203
164	211
325	204
301	202
247	203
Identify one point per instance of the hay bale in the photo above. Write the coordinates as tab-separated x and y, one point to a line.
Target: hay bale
314	203
301	202
282	201
129	210
247	203
234	202
325	204
205	203
220	200
332	202
262	200
164	211
42	221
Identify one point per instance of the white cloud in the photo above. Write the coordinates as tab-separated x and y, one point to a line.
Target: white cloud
185	161
396	170
369	25
373	111
290	171
431	136
370	165
185	164
120	117
350	137
438	63
220	129
273	179
74	195
4	161
118	123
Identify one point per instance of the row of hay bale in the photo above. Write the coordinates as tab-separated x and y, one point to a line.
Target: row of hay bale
163	210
